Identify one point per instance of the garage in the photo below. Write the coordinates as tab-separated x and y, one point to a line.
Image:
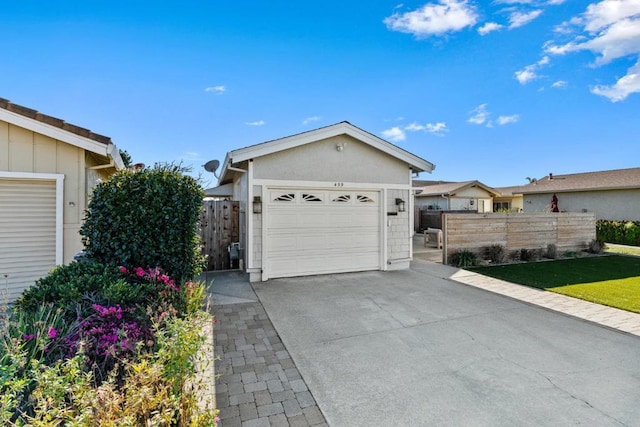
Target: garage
331	200
27	233
314	231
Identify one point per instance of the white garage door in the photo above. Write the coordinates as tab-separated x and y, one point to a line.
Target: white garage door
322	231
27	233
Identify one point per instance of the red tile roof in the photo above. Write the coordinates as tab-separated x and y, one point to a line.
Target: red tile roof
53	121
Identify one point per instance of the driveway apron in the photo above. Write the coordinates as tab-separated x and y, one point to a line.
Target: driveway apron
413	348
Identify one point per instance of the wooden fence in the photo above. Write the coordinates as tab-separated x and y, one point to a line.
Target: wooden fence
220	226
430	218
568	231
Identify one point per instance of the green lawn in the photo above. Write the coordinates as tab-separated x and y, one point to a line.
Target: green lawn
612	280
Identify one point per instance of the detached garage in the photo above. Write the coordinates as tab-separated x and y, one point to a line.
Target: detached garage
332	200
47	170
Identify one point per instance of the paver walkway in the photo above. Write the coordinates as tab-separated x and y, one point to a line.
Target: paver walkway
258	384
607	316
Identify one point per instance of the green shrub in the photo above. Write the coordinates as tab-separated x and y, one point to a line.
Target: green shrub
552	251
463	258
621	232
527	255
596	246
149	219
496	253
70	287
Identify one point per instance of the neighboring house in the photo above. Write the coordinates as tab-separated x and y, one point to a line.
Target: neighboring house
454	196
47	170
510	199
612	194
335	199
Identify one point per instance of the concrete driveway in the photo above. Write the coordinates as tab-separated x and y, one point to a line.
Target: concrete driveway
412	348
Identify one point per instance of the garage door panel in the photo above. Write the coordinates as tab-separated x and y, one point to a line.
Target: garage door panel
322	231
27	233
326	265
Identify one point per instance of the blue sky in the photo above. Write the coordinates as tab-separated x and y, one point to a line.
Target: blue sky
490	90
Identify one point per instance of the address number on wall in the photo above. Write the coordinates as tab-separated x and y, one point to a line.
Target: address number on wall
338	184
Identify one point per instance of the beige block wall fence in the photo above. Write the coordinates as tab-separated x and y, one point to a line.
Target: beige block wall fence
568	231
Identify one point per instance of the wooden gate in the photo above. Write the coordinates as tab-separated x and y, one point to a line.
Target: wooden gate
220	227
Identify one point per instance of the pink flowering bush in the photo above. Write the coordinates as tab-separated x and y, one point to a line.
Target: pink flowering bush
119	334
108	336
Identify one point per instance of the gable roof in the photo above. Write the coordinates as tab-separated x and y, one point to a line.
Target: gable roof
60	130
451	188
588	181
343	128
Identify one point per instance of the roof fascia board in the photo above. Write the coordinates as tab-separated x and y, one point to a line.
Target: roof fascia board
328	132
57	133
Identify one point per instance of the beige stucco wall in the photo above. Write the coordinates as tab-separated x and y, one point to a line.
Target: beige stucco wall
321	161
612	204
22	150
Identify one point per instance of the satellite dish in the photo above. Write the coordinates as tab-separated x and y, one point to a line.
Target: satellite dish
212	166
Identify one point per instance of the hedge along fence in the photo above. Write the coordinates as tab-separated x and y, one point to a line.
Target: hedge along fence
621	232
568	231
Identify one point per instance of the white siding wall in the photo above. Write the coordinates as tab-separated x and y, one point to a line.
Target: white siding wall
257	231
398	230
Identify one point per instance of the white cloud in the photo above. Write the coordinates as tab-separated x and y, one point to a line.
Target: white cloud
414	127
560	84
624	87
394	134
310	120
529	72
531	2
219	90
438	128
434	18
489	27
480	115
610	29
519	19
505	120
256	123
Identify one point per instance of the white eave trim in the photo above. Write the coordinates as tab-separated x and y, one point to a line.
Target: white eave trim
416	163
107	150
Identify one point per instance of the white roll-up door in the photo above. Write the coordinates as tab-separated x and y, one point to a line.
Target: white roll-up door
27	233
315	231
